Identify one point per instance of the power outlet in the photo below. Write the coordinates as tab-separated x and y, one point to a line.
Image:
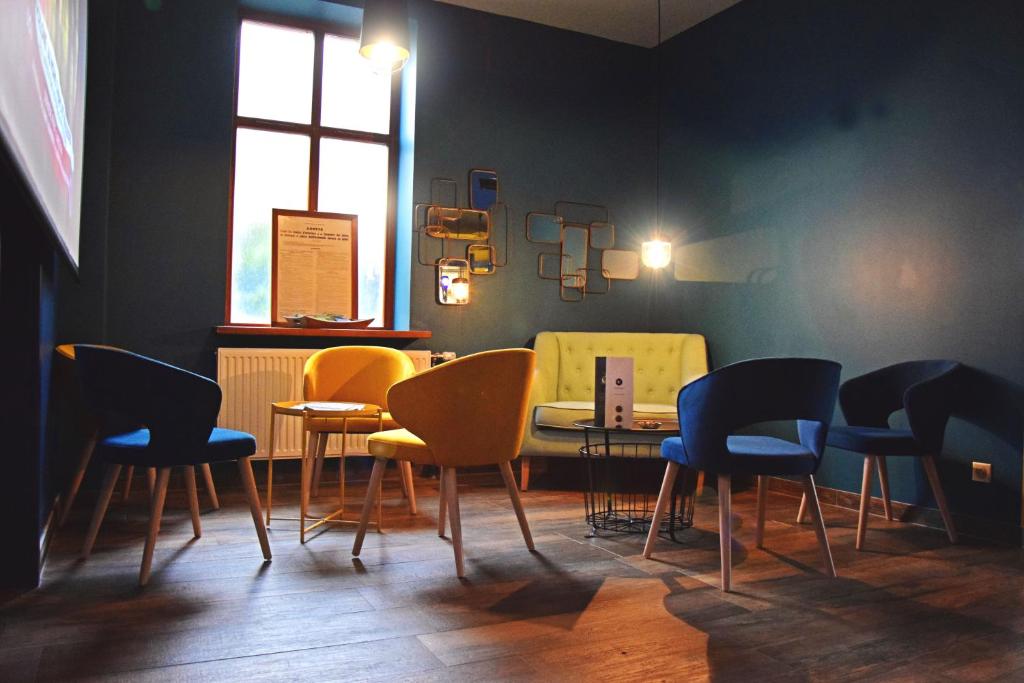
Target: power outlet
981	471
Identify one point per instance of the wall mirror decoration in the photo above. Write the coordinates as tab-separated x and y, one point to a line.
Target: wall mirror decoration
620	264
596	281
549	266
544	228
481	259
483	189
602	235
458	224
442	220
576	227
574	255
452	281
581	212
573	286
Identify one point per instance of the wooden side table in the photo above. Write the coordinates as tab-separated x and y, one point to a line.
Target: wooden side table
314	445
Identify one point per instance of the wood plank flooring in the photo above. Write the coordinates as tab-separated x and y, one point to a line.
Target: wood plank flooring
910	607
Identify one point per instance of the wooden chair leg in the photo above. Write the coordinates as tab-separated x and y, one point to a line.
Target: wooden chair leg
156	511
940	496
193	500
801	514
321	454
341	485
401	480
762	504
270	464
151	480
410	487
109	482
524	472
211	490
517	504
725	528
819	525
76	481
452	491
253	496
664	497
372	492
129	472
305	479
700	484
883	484
865	501
442	506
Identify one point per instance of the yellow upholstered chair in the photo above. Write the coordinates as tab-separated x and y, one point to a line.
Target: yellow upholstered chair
354	374
466	413
91	428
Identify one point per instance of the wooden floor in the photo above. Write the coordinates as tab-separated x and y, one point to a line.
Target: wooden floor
909	608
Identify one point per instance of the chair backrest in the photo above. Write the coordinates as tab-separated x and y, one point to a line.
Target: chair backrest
662	363
926	389
360	374
177	406
761	390
469	411
87	418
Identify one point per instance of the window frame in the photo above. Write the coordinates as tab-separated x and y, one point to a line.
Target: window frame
317	132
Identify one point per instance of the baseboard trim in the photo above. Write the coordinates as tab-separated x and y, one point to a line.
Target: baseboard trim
968	525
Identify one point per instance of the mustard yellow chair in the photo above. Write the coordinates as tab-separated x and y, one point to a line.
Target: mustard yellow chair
466	413
92	430
354	374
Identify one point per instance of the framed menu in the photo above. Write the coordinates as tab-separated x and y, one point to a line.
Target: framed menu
314	265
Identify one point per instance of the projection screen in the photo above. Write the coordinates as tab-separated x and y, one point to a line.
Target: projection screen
42	105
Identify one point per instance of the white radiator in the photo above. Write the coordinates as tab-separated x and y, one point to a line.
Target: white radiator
252	379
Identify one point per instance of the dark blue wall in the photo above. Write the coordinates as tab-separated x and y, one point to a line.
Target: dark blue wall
559	115
865	162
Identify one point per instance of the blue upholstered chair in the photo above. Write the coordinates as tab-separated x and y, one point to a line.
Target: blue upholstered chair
179	410
926	390
715	406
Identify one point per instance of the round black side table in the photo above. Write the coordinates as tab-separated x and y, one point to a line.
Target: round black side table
615	500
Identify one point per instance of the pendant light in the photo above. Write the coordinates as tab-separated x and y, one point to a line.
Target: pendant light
384	39
657	253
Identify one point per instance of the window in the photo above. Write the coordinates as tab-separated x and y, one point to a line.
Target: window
315	129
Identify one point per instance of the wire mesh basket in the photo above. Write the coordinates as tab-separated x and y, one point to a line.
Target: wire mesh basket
619	483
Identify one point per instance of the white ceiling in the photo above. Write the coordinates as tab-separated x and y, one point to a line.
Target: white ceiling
627	21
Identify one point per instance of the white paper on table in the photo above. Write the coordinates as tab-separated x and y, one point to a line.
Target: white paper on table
336	406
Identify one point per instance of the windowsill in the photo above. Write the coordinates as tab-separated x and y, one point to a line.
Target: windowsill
364	333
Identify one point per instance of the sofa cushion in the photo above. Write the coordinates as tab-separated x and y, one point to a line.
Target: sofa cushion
662	363
562	414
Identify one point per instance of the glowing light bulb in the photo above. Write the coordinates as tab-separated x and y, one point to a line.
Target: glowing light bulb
656	253
460	290
385	55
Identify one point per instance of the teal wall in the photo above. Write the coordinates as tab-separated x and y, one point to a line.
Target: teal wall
864	162
851	171
559	116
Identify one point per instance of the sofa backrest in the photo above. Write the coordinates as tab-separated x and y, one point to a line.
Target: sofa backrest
662	363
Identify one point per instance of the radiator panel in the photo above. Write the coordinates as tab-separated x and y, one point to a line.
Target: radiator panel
252	379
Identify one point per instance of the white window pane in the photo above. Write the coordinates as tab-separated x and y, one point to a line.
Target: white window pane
354	179
271	172
354	97
275	73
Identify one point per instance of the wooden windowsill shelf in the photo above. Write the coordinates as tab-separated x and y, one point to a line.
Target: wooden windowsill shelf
363	333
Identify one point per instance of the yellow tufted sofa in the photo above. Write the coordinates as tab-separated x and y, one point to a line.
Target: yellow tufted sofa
563	384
